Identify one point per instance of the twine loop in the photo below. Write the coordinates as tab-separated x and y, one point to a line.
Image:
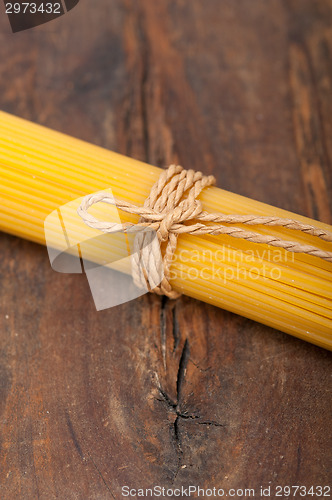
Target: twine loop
171	209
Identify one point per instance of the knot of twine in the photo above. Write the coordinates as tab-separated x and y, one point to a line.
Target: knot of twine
172	208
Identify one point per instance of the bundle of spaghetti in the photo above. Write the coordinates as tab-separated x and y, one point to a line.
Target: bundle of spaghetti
41	170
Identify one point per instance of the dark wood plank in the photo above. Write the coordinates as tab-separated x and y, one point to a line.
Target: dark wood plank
154	391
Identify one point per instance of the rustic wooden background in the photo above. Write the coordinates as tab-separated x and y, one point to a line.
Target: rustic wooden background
242	89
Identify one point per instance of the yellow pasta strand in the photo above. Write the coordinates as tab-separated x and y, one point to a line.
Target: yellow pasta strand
41	170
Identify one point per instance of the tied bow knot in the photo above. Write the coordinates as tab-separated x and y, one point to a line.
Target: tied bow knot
178	215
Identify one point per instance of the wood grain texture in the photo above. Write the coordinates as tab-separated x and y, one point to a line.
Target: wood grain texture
154	391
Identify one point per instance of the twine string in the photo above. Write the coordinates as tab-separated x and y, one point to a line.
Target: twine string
171	209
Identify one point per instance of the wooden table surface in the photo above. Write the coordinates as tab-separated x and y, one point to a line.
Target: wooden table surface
242	89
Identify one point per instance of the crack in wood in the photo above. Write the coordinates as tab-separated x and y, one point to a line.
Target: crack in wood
80	452
199	367
175	406
100	475
211	422
164	301
73	435
144	78
182	369
175	329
